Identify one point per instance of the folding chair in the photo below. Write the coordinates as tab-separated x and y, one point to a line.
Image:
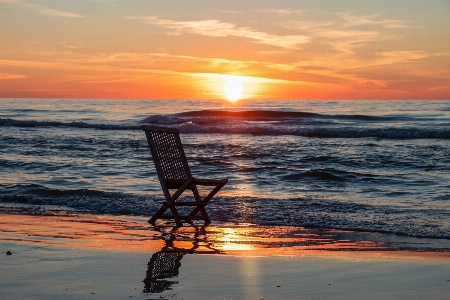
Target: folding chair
174	174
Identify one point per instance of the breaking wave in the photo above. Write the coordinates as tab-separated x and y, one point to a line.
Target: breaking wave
268	123
75	124
298	211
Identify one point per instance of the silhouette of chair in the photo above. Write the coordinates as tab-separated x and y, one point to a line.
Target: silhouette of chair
174	174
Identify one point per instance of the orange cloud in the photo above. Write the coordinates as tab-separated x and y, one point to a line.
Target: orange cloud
8	76
216	28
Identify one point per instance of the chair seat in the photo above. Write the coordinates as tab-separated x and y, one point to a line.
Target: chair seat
182	217
177	183
188	203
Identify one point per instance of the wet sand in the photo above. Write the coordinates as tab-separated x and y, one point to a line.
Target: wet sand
87	257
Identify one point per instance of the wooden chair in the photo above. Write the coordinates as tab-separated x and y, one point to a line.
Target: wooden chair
174	174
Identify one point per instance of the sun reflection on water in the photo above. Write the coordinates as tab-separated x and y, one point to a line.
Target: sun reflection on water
132	233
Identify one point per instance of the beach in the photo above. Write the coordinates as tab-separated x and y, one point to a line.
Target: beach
91	257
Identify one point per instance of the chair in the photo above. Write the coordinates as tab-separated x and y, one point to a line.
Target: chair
174	174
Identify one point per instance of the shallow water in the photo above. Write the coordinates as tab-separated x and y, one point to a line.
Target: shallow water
376	166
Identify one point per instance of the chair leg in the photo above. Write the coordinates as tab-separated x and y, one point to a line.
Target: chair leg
163	208
207	220
175	215
158	214
200	208
206	199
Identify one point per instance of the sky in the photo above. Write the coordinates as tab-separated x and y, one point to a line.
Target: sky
210	49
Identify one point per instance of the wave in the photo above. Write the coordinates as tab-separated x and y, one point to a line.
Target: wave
76	124
209	117
38	198
318	175
296	211
270	114
276	123
320	132
269	123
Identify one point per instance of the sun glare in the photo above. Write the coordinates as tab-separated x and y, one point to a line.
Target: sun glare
233	87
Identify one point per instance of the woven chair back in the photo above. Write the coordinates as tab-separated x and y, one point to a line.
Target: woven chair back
168	154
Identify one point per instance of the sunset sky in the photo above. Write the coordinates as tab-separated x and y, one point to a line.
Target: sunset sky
396	49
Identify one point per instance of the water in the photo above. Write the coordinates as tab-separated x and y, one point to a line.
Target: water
371	166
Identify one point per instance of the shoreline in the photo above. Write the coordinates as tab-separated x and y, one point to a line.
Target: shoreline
133	233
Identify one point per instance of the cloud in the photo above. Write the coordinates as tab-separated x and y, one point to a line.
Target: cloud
281	11
231	11
345	31
216	28
8	76
49	11
402	56
352	21
57	13
347	40
355	35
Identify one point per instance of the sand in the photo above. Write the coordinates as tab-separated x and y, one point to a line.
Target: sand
86	257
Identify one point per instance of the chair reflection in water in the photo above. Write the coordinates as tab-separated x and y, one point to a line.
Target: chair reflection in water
174	174
165	264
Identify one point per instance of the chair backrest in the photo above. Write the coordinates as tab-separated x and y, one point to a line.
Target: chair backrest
167	152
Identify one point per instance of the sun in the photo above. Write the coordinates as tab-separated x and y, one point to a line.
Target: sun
233	87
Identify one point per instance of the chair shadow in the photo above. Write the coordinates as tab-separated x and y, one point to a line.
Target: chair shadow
165	264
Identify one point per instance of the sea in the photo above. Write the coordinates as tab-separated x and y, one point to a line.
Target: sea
363	166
